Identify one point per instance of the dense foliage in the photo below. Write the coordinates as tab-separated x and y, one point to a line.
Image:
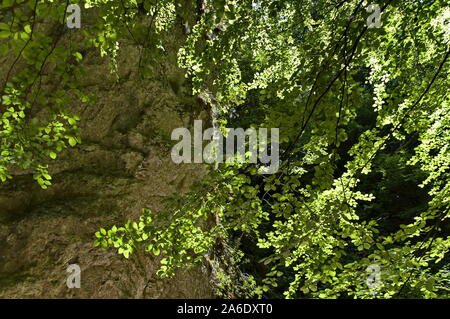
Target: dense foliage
364	118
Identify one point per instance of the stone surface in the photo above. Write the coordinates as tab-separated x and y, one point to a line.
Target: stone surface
122	165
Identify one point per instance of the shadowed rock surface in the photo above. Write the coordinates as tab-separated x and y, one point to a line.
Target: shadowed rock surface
122	165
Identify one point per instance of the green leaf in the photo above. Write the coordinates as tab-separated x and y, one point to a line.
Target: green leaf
72	141
78	56
4	34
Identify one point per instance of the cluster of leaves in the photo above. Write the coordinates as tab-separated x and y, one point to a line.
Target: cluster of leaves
185	234
350	102
260	60
40	77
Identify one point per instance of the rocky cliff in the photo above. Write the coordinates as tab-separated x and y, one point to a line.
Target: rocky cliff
122	165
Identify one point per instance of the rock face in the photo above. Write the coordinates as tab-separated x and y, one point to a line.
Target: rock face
122	165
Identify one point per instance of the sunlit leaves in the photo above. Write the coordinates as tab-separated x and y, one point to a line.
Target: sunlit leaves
341	95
